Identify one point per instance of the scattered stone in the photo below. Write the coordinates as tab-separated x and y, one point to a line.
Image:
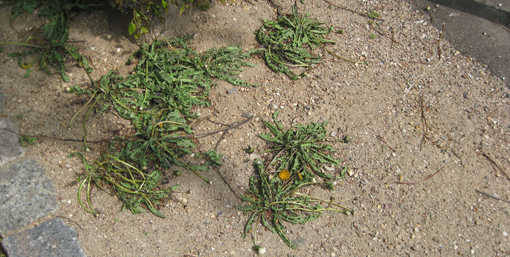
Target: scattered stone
232	91
254	156
415	248
26	194
333	133
399	223
50	238
10	148
330	169
465	95
298	241
247	114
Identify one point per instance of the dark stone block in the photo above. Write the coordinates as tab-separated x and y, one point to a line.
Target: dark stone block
51	238
26	194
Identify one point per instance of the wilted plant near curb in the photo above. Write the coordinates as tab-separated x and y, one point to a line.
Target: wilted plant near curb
272	199
133	186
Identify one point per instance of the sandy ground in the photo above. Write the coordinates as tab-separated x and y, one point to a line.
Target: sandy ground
380	106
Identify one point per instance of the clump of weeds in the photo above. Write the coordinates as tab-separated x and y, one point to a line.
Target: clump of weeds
274	195
289	42
157	97
49	49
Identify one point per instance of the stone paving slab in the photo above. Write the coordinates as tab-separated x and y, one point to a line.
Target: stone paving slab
50	238
26	194
10	148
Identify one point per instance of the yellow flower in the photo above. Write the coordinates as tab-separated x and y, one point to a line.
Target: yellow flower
26	65
299	175
284	175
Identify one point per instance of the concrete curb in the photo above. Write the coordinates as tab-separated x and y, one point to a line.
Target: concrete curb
477	28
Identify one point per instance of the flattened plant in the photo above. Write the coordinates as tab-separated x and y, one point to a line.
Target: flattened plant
289	42
157	97
300	149
49	56
274	197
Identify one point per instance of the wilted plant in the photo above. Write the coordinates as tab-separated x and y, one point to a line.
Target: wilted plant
158	97
272	199
289	42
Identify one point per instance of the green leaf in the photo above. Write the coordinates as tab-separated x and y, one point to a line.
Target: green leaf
156	212
132	28
65	77
27	74
144	30
137	36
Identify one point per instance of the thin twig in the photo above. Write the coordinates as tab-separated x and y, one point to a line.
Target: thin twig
492	196
442	148
412	183
233	125
439	43
217	123
350	10
331	52
495	164
57	138
505	28
223	135
202	135
424	120
69	220
277	6
382	139
382	34
424	63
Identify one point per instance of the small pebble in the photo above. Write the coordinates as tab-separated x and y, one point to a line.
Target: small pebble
465	95
247	114
333	133
232	91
